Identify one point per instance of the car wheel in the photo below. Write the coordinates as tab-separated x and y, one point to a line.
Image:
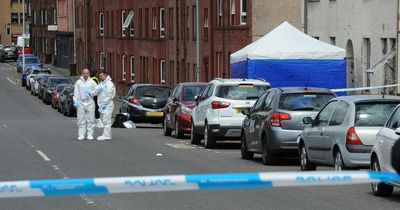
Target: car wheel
178	132
209	140
380	189
338	162
167	131
305	164
267	157
194	137
244	150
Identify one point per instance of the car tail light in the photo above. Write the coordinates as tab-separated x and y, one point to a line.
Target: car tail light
277	117
352	137
135	101
219	105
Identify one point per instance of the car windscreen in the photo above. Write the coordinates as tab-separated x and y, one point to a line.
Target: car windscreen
189	92
304	101
370	114
153	92
32	60
60	88
55	81
241	92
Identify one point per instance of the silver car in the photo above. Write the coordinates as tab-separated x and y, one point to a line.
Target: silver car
382	152
344	131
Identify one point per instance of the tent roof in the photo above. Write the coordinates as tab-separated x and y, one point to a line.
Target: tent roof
287	42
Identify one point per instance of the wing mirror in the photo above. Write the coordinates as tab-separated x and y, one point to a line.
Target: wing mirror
308	120
246	111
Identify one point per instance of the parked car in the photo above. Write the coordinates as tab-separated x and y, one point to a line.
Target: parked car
274	123
66	103
145	103
19	61
37	80
35	70
382	153
218	114
9	53
51	85
344	131
177	115
55	95
42	85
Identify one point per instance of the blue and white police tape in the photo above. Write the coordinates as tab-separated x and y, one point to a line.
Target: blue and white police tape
364	88
92	186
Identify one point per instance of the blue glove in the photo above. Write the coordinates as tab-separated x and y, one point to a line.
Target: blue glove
88	92
103	107
76	104
100	88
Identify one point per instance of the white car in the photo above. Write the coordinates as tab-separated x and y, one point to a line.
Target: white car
382	152
218	114
35	70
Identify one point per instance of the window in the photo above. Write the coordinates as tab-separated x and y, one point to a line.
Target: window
14	18
243	12
132	68
146	22
123	67
304	101
394	121
268	102
8	30
162	71
323	117
194	23
123	16
171	23
339	114
367	58
41	17
220	12
140	22
238	92
260	101
233	11
14	2
45	17
332	40
205	25
34	17
55	46
154	22
101	24
132	26
373	113
101	60
54	16
162	23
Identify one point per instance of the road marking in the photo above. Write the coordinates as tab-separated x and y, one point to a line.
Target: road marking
4	125
10	81
43	155
180	146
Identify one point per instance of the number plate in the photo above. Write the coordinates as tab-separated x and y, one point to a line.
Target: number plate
154	114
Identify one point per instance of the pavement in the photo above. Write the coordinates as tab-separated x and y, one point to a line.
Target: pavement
36	142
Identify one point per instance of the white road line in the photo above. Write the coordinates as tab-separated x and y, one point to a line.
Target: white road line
43	155
10	80
4	125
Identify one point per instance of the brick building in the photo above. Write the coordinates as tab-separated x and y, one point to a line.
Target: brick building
11	20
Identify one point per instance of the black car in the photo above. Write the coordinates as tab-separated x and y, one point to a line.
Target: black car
9	53
51	85
145	103
66	103
271	127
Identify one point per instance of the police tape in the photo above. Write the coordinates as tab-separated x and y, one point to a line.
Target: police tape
99	186
364	88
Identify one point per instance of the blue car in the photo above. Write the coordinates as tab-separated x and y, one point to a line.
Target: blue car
19	61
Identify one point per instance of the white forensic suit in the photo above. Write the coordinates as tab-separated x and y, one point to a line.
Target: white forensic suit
105	95
85	106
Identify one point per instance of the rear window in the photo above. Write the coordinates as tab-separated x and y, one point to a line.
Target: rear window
32	60
304	101
373	113
153	92
189	92
241	92
54	82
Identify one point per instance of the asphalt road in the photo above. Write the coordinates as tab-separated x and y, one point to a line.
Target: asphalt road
36	142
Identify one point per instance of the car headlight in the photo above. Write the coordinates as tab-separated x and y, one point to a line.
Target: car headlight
186	110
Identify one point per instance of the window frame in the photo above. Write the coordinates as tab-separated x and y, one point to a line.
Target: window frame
101	24
123	67
242	13
132	68
162	22
163	71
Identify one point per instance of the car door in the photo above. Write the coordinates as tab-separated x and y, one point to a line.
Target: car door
125	100
204	105
174	104
335	131
197	118
251	135
315	136
262	118
386	139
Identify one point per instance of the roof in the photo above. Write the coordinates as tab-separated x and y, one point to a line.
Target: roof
287	42
358	98
237	81
192	83
303	89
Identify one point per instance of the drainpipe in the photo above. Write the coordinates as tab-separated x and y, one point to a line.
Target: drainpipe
197	41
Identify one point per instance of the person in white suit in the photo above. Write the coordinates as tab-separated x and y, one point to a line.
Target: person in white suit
84	104
105	94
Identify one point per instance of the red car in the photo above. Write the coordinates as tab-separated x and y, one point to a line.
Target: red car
177	116
56	94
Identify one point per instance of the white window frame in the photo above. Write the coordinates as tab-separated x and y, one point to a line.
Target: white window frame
101	60
162	22
154	27
123	12
233	7
163	71
132	68
132	28
123	67
242	13
101	24
55	16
